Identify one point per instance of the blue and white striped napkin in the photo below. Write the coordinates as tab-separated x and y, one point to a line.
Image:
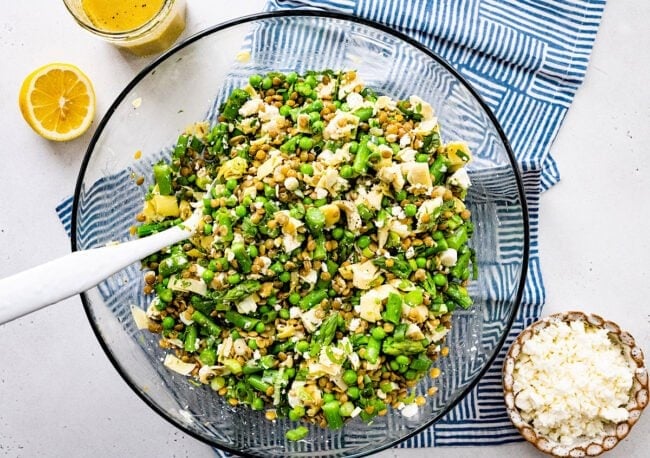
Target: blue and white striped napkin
527	59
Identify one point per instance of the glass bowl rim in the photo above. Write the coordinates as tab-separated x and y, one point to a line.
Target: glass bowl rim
317	14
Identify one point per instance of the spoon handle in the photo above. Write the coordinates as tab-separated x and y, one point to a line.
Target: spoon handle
48	283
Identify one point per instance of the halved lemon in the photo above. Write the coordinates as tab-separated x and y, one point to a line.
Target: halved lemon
58	101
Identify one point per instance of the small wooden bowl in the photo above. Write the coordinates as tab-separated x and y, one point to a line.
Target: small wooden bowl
615	432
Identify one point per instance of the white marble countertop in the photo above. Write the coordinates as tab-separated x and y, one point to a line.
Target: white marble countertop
60	396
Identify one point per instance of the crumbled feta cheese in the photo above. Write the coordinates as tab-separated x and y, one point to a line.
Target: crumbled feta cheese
405	141
139	317
326	90
354	100
186	318
427	208
385	103
310	277
414	332
460	178
268	113
247	305
354	324
341	127
370	307
417	173
420	106
251	107
193	285
333	159
425	127
409	410
363	274
269	166
392	175
348	85
448	257
571	379
310	319
291	183
290	243
178	366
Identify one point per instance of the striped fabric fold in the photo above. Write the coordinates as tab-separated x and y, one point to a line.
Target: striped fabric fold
527	59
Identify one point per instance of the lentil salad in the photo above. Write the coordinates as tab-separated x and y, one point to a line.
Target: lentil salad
331	255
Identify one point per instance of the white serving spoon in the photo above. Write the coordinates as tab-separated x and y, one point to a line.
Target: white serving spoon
43	285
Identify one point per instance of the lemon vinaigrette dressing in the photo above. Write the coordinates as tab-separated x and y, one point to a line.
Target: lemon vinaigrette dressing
121	15
141	26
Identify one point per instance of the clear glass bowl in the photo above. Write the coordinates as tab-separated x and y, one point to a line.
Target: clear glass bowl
186	85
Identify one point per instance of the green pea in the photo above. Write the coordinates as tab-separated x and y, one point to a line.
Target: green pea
257	404
294	298
386	386
347	171
337	233
231	184
353	392
234	278
260	327
363	242
267	83
253	252
284	314
311	80
328	397
212	265
410	210
231	201
285	277
292	77
313	117
285	110
402	360
255	80
296	413
207	276
317	127
401	195
354	146
421	262
302	346
207	229
306	169
269	191
166	295
421	158
439	280
252	344
306	143
346	409
168	322
350	377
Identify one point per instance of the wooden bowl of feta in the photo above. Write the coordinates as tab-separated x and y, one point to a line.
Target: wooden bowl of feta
574	384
